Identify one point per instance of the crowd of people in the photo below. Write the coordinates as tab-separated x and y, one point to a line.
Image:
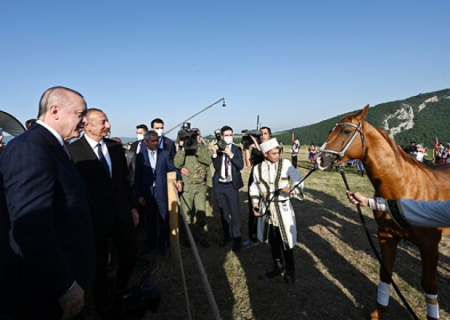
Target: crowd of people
66	195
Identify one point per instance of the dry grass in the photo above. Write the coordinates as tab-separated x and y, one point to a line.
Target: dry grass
336	270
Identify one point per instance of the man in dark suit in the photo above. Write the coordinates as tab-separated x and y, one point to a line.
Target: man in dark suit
227	181
135	148
103	167
150	183
164	142
47	257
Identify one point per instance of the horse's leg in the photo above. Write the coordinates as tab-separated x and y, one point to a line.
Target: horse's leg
429	255
388	245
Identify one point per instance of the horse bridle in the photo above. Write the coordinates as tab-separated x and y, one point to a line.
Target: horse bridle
340	154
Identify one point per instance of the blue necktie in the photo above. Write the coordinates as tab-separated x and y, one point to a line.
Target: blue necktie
102	159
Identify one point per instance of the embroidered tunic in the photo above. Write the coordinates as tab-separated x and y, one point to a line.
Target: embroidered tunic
275	206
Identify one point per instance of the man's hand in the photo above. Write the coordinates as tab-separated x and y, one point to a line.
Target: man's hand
228	152
214	149
72	302
358	198
180	185
135	215
141	201
255	143
185	171
286	190
256	211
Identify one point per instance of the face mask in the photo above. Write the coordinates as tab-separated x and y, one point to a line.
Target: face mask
139	136
419	156
228	140
159	132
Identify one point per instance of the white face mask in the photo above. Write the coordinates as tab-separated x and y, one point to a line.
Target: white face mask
159	132
420	155
139	136
228	140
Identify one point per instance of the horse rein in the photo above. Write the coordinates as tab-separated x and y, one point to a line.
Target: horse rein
279	190
341	153
380	260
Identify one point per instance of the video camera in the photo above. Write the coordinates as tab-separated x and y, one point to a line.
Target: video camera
220	142
189	137
246	137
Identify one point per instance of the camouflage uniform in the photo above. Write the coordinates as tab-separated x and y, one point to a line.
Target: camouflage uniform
193	200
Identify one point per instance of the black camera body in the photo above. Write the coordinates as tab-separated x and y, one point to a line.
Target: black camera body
246	137
221	144
189	138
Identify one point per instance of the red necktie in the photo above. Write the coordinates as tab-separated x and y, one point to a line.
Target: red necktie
67	151
226	167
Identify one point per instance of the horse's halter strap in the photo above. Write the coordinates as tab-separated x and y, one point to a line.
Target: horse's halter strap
341	153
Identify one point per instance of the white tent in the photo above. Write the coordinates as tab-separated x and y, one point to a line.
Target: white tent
10	124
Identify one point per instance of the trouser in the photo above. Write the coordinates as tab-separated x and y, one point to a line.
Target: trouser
227	199
124	239
158	230
252	220
294	161
276	245
193	203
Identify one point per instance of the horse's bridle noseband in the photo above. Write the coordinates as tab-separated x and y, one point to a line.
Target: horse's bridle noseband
340	154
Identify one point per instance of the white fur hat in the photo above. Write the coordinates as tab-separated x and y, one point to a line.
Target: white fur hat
269	145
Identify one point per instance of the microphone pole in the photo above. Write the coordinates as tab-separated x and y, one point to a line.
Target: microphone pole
178	125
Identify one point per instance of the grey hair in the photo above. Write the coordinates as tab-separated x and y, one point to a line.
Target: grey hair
150	133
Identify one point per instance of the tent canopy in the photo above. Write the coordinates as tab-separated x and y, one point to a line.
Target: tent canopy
10	124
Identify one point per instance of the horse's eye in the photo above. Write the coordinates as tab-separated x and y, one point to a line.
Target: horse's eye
347	131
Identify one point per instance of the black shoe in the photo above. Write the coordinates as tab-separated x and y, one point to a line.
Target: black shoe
289	277
224	242
237	245
274	272
149	248
186	244
204	243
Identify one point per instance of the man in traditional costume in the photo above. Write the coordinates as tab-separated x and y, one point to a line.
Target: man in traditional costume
275	180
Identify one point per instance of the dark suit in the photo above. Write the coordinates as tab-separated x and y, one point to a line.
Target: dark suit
46	232
227	194
112	199
167	144
153	187
131	157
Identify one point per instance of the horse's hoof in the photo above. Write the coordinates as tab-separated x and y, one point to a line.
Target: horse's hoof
377	314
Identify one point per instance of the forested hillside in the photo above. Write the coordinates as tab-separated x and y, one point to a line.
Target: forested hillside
421	118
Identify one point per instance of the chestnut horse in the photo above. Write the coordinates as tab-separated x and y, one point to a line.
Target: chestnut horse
394	175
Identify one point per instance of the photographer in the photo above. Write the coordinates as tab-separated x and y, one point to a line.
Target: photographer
194	160
252	158
227	180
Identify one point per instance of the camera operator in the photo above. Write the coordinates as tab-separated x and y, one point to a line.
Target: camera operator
252	158
193	160
227	180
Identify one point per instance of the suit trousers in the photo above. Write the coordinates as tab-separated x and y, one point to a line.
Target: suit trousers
157	227
227	199
252	220
124	239
193	203
276	246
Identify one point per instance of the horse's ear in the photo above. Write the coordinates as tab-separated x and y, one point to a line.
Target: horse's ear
362	114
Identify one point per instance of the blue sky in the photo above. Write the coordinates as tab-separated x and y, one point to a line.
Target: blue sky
293	63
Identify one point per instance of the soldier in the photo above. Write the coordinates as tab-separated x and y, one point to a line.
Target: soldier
194	164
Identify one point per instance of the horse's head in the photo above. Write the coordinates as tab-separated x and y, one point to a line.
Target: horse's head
345	142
